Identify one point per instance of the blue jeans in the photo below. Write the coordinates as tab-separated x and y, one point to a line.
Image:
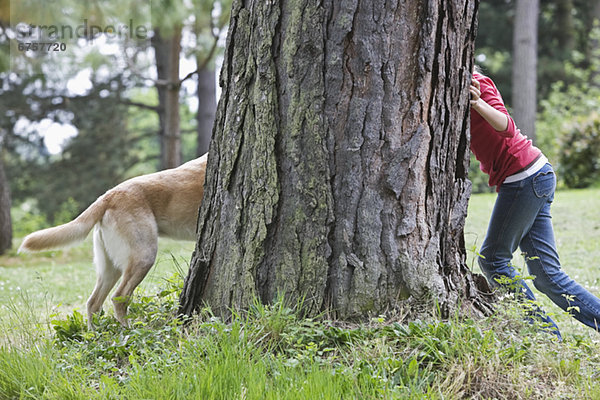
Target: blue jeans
521	218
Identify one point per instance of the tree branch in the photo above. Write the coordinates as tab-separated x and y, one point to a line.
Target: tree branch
140	105
206	60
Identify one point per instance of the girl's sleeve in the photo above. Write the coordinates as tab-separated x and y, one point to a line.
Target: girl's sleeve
491	95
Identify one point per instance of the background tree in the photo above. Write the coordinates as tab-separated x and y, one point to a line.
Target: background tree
524	66
564	40
207	105
167	48
338	171
211	17
94	160
593	46
99	119
5	220
565	22
37	90
5	197
170	19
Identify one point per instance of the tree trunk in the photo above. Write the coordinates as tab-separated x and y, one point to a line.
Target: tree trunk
166	51
595	17
337	174
593	48
524	69
565	25
207	107
5	221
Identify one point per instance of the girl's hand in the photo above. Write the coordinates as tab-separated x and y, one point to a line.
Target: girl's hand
475	91
496	118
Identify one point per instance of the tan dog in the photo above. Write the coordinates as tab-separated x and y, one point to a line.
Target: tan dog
128	220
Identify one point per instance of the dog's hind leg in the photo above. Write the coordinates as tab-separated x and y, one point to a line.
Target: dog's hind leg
142	254
133	275
107	275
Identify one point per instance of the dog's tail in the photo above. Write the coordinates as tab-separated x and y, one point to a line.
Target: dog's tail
66	234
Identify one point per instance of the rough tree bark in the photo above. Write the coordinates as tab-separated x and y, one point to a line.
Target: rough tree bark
524	68
337	173
5	220
166	52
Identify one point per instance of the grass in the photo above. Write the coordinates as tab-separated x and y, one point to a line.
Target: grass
62	280
270	352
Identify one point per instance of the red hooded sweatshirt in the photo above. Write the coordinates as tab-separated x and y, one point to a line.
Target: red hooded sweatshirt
500	153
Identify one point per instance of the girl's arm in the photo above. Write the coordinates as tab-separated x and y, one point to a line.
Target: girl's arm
497	119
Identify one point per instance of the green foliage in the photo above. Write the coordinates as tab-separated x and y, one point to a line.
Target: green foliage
67	211
564	40
112	138
493	45
70	329
567	125
92	162
26	218
478	178
580	152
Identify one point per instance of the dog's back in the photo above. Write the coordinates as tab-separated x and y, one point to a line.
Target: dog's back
173	195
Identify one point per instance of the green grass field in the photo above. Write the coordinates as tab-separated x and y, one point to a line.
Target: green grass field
61	281
272	353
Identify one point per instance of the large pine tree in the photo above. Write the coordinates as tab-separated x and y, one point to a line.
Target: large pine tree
337	173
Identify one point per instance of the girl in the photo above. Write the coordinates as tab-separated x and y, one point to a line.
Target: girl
525	183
